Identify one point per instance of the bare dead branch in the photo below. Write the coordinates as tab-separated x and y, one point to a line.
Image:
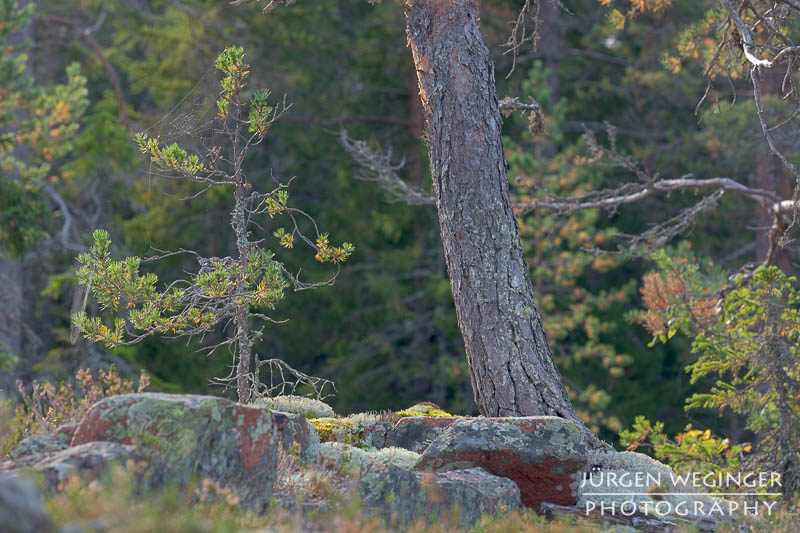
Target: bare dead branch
747	37
791	167
630	193
664	232
535	116
280	384
519	31
63	233
377	166
269	7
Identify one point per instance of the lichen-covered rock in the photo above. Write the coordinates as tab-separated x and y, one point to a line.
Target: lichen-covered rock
630	481
544	455
403	497
352	460
21	509
297	435
395	456
298	405
66	432
204	436
90	461
37	444
415	433
374	435
369	430
343	457
363	430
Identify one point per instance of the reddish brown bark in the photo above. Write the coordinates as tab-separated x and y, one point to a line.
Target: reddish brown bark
416	123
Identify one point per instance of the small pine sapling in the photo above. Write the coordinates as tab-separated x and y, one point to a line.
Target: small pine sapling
236	290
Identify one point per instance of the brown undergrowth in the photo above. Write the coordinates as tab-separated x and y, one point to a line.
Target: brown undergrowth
44	406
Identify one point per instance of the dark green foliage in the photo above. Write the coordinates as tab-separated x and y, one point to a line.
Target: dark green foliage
388	335
37	123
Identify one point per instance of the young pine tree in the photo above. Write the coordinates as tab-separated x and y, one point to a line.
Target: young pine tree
231	290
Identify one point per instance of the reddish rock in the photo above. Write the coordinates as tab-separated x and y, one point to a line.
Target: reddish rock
66	432
545	456
200	436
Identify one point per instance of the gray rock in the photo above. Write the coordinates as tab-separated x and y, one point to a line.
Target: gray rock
21	509
36	444
369	430
374	435
297	435
403	497
92	460
415	433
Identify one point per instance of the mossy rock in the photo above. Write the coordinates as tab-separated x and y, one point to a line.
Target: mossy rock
332	429
297	405
363	430
198	436
354	460
424	409
36	444
370	430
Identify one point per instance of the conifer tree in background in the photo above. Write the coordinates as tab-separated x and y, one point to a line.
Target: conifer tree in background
37	125
746	340
225	291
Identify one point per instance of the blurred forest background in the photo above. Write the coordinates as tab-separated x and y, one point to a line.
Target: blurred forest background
386	333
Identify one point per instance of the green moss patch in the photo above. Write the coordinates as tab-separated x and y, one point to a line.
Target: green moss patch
424	409
334	429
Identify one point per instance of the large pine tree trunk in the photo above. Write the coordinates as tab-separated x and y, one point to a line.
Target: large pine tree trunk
510	362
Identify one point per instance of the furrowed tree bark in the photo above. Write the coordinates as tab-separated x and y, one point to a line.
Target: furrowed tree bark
511	366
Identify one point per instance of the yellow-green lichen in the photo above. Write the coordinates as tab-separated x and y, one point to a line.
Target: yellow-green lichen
333	429
424	409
